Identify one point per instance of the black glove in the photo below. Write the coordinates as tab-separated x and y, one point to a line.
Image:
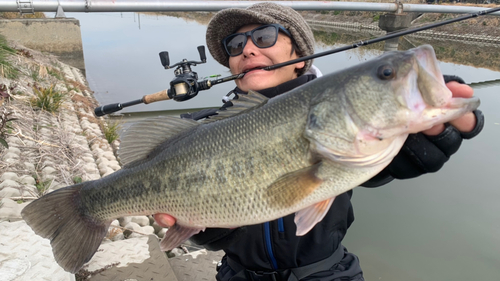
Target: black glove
215	239
423	154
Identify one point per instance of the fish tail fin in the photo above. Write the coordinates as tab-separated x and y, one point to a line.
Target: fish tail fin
61	217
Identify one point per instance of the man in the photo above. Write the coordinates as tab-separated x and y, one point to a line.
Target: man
266	34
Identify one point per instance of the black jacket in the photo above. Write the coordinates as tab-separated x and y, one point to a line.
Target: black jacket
274	245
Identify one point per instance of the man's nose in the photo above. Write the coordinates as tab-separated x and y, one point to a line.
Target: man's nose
250	48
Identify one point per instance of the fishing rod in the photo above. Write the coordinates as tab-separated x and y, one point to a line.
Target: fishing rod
185	85
482	84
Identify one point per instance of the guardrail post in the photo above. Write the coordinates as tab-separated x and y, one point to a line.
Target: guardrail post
394	21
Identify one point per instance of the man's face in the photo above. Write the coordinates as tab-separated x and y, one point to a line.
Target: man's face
254	56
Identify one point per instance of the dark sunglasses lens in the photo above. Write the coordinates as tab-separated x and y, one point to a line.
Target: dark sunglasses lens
235	44
265	37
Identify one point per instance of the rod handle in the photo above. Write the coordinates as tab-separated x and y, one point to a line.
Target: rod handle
158	96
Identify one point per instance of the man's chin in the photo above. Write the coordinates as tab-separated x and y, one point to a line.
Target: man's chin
256	80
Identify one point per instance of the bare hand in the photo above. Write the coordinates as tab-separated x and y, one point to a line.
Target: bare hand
465	123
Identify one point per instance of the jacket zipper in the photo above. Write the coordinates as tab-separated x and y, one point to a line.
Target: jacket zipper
269	249
281	228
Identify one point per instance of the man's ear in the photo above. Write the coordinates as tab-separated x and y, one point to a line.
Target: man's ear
300	65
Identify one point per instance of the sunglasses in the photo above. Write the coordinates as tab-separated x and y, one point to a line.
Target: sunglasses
264	36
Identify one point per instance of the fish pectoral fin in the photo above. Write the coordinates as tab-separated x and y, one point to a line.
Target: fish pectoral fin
176	235
291	188
307	218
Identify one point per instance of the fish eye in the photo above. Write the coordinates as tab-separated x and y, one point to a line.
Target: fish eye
386	72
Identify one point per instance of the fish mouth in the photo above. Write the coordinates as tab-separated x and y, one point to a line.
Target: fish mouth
429	100
427	87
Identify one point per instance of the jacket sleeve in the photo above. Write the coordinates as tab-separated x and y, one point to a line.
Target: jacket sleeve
215	239
423	154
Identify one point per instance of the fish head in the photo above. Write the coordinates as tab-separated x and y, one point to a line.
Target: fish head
364	114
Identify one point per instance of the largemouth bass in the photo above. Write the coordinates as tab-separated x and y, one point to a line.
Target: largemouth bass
257	161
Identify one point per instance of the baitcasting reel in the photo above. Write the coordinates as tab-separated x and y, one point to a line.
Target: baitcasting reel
185	85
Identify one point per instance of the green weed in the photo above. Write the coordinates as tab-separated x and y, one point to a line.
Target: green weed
47	99
55	73
77	180
7	70
42	186
5	126
110	130
35	75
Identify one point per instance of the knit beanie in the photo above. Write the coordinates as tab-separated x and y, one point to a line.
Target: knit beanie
228	21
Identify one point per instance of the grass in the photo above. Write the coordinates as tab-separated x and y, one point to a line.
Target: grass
77	180
110	130
34	74
7	70
47	99
5	126
55	73
42	186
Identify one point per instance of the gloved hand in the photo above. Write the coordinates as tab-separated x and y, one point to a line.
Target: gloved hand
426	152
213	239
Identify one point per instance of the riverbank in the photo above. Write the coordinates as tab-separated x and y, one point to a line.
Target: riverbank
485	25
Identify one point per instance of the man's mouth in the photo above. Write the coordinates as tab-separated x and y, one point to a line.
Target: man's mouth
246	70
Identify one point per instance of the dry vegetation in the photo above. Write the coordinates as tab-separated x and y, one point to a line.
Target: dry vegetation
16	15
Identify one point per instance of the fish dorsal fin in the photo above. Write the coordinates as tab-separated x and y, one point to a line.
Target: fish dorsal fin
244	103
144	136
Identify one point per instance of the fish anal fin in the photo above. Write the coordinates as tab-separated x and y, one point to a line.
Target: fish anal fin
291	188
307	218
74	236
176	235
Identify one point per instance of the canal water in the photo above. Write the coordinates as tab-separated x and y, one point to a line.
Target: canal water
442	226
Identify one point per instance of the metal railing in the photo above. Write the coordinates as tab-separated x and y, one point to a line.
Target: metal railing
211	6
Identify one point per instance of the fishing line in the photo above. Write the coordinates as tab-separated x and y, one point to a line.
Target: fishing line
483	84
